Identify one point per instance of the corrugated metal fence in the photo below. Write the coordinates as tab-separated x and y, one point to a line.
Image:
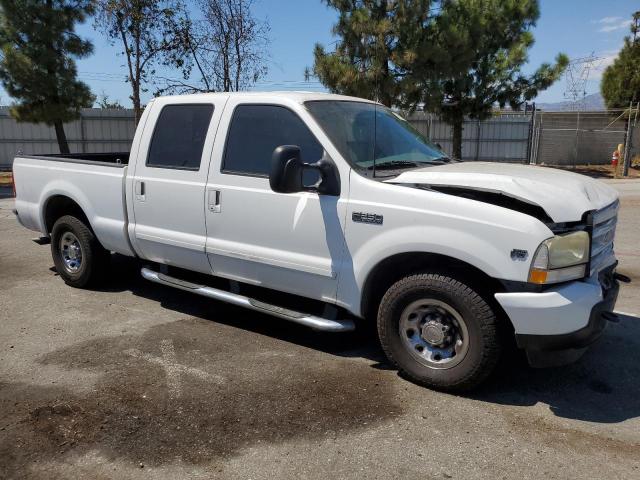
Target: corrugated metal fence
552	138
97	130
502	138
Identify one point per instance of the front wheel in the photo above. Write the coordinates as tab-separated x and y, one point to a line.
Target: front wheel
439	332
78	256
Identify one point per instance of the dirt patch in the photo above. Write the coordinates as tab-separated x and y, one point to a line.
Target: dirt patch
562	438
182	393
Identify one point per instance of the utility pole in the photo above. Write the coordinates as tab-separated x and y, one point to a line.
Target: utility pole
576	78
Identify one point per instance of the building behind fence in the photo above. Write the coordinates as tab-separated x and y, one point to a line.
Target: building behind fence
551	138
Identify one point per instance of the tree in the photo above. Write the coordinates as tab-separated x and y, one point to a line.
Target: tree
457	57
226	51
374	53
37	67
482	46
104	103
621	80
149	31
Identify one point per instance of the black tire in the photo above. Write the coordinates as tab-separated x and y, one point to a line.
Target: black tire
481	353
94	258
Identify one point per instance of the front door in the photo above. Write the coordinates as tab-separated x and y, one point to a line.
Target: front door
169	182
288	242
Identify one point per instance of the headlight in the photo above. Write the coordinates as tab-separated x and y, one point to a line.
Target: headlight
561	258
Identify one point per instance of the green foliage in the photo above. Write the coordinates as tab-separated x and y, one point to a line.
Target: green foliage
104	103
457	57
621	81
376	47
37	68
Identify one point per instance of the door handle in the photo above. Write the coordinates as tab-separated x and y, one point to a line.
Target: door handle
213	201
140	190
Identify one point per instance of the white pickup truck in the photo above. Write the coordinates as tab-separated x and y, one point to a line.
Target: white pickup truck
345	211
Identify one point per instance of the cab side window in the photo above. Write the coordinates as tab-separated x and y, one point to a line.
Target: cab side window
256	131
178	138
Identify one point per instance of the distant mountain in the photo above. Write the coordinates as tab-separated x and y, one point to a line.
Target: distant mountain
590	102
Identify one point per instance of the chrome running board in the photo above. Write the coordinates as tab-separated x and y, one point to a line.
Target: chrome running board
316	323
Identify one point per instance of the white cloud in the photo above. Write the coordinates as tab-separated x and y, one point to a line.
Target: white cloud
606	58
606	20
613	26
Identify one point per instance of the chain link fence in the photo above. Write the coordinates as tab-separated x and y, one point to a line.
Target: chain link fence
580	137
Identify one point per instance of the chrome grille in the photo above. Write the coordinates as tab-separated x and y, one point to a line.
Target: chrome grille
603	233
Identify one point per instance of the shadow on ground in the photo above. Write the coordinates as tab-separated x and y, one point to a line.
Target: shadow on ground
601	387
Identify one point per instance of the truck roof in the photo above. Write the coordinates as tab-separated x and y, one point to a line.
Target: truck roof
297	96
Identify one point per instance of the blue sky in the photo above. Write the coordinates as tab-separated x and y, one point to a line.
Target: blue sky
575	27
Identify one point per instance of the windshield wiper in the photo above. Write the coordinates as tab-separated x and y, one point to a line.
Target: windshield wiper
393	164
439	161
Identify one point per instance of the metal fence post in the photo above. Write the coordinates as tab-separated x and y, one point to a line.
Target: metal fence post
538	138
532	126
477	140
627	144
575	155
83	147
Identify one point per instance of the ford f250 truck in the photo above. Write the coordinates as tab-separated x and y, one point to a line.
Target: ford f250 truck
339	210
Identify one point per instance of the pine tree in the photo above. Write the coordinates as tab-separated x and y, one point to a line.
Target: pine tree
480	47
374	52
39	44
621	81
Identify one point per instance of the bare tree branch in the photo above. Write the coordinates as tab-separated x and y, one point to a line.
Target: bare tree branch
226	51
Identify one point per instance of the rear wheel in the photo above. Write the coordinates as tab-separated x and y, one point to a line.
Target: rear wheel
439	332
78	256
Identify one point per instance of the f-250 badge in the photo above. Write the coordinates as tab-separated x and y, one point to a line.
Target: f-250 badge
362	217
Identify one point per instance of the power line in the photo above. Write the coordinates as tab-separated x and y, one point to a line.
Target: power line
121	78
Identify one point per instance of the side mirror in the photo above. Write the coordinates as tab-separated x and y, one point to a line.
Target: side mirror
287	169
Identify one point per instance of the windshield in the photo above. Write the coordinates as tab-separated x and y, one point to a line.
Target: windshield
372	137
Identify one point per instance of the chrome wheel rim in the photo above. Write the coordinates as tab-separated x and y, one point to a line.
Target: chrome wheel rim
434	333
71	252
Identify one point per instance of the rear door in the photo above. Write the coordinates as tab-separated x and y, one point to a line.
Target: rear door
170	177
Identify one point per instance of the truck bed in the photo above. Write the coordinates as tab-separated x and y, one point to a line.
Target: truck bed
94	181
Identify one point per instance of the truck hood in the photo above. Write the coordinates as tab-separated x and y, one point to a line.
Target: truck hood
564	196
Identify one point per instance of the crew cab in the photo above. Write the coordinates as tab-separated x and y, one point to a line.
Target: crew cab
328	211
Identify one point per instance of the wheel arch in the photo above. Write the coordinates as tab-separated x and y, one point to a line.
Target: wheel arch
391	269
57	206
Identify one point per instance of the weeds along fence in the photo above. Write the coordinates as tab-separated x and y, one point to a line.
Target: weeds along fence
551	138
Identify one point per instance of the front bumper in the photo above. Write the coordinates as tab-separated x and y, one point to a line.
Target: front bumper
556	326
